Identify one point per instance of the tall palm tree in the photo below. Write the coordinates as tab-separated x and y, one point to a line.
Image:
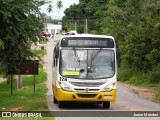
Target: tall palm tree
59	6
50	9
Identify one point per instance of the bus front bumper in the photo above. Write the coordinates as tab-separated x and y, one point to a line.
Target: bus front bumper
85	96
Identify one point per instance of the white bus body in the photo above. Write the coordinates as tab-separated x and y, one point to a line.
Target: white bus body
85	69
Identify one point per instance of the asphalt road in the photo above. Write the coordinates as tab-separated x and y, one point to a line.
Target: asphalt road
126	100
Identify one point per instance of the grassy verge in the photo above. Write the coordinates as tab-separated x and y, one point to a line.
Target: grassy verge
140	78
43	40
157	99
25	99
39	52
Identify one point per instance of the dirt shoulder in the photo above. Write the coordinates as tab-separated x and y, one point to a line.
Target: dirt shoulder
2	80
148	93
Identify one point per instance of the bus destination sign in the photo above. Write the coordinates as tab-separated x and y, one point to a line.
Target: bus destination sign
87	42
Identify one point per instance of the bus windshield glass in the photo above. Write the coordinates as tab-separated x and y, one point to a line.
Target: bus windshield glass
87	63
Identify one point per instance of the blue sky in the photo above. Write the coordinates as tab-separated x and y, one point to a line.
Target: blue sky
54	14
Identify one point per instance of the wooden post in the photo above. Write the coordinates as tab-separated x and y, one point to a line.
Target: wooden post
19	82
34	76
11	78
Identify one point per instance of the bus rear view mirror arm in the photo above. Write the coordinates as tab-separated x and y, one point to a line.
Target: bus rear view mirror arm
118	58
56	53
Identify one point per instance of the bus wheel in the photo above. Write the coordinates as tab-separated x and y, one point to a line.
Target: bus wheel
55	100
106	104
61	104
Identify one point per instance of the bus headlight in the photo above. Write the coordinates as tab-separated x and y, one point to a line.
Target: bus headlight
108	87
64	86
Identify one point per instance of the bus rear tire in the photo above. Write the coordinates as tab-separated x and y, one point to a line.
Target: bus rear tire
55	100
106	105
61	104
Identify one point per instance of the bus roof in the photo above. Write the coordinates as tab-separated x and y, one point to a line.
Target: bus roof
89	35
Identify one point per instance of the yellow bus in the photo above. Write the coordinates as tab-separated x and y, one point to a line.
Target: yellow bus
84	69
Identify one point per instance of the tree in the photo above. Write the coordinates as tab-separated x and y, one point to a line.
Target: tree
20	25
59	6
135	24
50	8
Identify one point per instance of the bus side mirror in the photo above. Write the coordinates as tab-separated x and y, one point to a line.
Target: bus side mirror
118	58
56	53
55	58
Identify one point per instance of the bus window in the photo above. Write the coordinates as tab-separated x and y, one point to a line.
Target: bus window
98	65
73	62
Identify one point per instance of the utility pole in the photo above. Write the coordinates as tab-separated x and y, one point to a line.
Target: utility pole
85	26
76	26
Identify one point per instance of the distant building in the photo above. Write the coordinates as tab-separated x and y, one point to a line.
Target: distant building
53	29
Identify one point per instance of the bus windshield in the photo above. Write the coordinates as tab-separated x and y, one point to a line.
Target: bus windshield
87	64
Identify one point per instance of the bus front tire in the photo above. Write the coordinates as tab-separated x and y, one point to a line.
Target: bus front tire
55	100
106	104
61	104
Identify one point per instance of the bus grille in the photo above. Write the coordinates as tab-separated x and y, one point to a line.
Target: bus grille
87	95
84	90
87	84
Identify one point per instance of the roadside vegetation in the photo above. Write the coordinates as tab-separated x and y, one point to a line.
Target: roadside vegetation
24	99
20	25
39	52
135	25
43	40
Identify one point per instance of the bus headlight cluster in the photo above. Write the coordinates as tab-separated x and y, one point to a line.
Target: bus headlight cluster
109	87
64	86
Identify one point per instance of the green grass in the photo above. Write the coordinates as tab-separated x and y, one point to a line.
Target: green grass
157	99
25	99
43	40
28	81
39	52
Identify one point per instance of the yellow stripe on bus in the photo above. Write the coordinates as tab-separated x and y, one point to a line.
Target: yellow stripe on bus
70	73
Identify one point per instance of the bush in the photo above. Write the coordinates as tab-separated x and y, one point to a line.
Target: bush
139	77
43	40
158	94
124	73
155	74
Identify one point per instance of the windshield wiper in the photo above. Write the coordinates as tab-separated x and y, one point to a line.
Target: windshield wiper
96	54
76	55
90	67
